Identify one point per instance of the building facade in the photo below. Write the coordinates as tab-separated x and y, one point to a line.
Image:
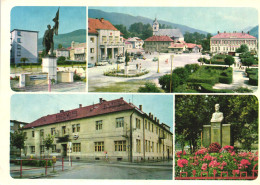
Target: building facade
116	128
174	34
105	41
24	45
63	52
78	51
229	42
157	44
136	42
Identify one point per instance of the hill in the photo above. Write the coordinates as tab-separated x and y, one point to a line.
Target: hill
127	20
254	31
66	39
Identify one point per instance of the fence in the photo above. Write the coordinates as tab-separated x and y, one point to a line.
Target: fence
242	175
59	163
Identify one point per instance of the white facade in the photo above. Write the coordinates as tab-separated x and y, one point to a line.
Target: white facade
24	45
62	53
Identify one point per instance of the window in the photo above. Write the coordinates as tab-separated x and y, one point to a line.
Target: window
76	147
42	133
157	130
42	149
92	39
146	146
32	149
120	146
157	148
145	124
78	127
53	148
92	50
99	125
63	130
104	39
73	128
19	40
152	127
149	146
152	146
117	38
18	53
149	126
92	58
32	133
138	145
18	46
110	38
53	131
99	146
19	33
119	122
138	123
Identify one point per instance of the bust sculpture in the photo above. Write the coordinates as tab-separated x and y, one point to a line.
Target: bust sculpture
217	116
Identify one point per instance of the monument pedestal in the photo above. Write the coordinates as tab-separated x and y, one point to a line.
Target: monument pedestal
206	135
126	70
49	65
216	134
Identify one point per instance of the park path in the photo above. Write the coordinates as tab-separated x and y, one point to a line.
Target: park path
239	80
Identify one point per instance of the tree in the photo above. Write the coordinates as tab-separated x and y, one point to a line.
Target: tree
23	60
248	61
17	140
229	60
61	59
48	141
242	49
149	87
59	46
165	81
182	73
126	58
123	30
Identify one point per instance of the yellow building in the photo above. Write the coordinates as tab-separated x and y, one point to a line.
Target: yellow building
78	51
115	127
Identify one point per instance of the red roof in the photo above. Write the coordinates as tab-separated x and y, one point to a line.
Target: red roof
83	112
99	24
176	45
159	38
234	35
191	45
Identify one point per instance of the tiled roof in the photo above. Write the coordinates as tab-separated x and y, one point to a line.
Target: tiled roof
176	45
99	24
234	35
126	42
191	45
169	32
83	112
159	38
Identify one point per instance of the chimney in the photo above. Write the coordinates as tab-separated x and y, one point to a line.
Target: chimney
61	111
155	119
121	98
141	107
150	114
100	100
101	19
80	105
218	32
248	32
158	121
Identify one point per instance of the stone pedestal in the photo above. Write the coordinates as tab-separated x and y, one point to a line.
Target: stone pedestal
206	135
226	138
126	70
49	65
216	132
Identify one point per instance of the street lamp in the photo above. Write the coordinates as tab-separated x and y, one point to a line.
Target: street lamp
158	70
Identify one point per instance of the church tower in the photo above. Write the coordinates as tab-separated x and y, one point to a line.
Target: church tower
155	26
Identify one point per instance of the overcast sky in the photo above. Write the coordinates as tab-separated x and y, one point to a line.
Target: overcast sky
29	107
36	18
210	19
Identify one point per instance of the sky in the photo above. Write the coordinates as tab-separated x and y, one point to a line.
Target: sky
37	18
29	107
209	19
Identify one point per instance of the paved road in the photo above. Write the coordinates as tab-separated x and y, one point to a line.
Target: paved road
97	79
116	171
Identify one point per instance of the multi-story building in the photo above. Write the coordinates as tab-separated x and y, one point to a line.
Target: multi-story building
78	51
136	42
24	45
16	125
105	41
174	34
115	127
63	52
157	43
229	42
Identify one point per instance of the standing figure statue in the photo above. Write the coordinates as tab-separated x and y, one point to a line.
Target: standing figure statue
217	116
47	41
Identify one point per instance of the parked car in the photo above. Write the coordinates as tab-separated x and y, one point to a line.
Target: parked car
102	63
90	65
121	59
155	59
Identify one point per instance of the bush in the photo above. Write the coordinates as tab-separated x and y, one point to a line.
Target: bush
243	90
214	148
191	67
164	81
37	163
229	60
182	73
253	80
76	77
207	88
149	87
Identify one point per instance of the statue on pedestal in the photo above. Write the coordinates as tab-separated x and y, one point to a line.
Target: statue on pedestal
217	116
47	41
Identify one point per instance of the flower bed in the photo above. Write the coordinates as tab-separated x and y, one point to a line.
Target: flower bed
223	163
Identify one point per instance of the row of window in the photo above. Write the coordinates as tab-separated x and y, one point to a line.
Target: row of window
233	42
110	38
224	49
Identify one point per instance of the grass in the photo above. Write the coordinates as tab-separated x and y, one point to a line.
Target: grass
129	86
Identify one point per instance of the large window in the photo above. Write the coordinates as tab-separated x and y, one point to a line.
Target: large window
18	53
76	128
146	145
19	33
145	124
120	146
76	147
99	125
18	46
104	39
42	149
42	133
99	146
92	50
138	123
32	149
119	122
92	39
63	130
152	146
53	148
32	133
19	40
52	131
138	145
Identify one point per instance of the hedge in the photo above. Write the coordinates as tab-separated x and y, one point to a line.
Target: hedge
211	81
215	62
41	163
253	80
207	88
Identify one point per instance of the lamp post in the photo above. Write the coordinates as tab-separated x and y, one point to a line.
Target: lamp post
158	70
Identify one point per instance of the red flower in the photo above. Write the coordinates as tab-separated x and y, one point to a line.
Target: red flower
182	162
214	164
204	166
180	153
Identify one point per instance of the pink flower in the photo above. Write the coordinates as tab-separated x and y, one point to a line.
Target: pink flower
182	162
228	148
180	153
245	162
233	153
201	151
204	166
213	164
235	171
221	156
243	154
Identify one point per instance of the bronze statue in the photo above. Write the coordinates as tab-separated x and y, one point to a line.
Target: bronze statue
47	41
